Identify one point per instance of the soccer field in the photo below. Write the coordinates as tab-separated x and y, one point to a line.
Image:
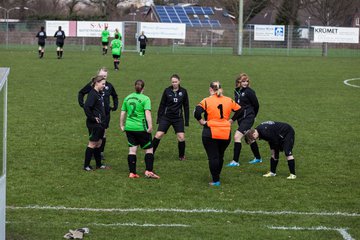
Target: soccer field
48	193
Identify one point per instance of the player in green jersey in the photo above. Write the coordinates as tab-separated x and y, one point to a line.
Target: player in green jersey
136	108
105	34
116	49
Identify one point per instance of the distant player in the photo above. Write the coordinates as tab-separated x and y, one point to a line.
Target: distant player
281	137
116	48
170	113
136	109
117	33
143	41
105	34
60	38
41	35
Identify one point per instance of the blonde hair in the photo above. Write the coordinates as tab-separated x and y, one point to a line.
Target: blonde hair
241	78
216	87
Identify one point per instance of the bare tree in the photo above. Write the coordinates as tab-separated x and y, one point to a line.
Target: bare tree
71	6
107	8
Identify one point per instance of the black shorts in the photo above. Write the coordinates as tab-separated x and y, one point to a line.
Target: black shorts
41	44
288	142
166	122
105	43
116	56
141	138
96	133
59	44
246	123
142	46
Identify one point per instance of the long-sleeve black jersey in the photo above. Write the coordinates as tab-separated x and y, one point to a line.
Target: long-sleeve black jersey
248	101
41	36
274	132
94	108
142	39
108	91
60	36
172	103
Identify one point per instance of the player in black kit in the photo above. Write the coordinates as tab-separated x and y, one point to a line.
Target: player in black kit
95	122
108	91
41	35
60	37
246	98
170	113
143	40
281	137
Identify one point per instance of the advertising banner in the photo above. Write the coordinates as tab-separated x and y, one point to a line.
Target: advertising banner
269	33
69	27
336	34
164	30
94	29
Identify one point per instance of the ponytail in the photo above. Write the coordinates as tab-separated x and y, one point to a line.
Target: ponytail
216	87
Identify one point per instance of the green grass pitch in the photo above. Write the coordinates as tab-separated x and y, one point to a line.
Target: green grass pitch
47	138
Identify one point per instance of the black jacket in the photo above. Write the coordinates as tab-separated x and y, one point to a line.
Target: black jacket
142	39
94	107
248	101
41	36
274	133
172	103
60	36
109	90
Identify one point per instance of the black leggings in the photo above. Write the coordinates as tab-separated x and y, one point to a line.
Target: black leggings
215	149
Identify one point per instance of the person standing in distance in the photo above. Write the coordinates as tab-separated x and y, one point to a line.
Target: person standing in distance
281	137
216	127
136	108
105	34
95	116
170	113
41	35
60	38
246	98
116	48
108	91
117	33
143	41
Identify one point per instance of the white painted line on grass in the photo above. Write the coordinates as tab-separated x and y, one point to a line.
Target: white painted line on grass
342	231
346	82
238	211
138	225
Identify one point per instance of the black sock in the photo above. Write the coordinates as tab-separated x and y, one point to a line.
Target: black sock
291	164
155	143
115	64
255	149
39	52
273	165
132	163
149	161
61	53
181	147
42	54
58	53
97	157
237	150
105	50
102	147
143	52
88	154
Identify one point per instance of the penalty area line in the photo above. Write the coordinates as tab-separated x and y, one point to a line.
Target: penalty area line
176	210
342	231
346	82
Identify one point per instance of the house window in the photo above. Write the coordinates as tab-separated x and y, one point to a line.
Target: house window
357	21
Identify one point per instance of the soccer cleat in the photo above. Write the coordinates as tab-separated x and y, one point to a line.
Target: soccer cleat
133	175
269	174
149	174
182	158
255	160
104	167
233	164
88	168
291	176
216	184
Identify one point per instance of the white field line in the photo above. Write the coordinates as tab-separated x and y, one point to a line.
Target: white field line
346	82
177	210
342	231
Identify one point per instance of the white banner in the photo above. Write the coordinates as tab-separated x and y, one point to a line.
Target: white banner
164	30
52	26
94	29
269	33
336	34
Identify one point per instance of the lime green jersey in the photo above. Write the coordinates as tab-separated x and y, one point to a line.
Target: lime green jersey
135	105
105	36
116	46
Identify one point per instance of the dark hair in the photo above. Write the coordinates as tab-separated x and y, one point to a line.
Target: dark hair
139	85
175	76
242	77
96	79
59	27
249	136
42	28
116	36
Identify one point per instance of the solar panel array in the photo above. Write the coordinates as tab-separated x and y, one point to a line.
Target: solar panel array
178	14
